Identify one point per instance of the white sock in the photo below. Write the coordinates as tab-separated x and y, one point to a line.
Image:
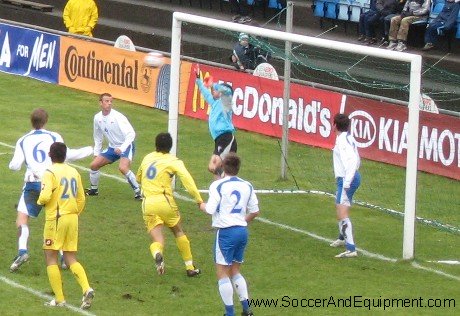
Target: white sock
241	287
132	180
226	291
347	231
23	237
94	178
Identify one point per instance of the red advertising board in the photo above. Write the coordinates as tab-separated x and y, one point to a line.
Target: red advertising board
379	127
381	132
258	106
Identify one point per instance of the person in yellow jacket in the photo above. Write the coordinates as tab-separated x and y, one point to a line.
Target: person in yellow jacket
80	16
158	206
63	197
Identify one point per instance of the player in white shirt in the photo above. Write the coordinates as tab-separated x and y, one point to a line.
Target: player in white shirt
32	151
346	164
115	127
232	204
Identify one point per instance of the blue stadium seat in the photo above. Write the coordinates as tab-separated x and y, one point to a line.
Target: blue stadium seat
331	10
355	11
319	8
276	4
343	10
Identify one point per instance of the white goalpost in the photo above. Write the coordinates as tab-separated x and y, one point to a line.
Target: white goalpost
415	62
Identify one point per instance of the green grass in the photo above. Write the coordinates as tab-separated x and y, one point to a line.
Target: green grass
279	262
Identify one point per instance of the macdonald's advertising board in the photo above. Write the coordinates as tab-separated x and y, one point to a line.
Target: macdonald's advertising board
100	68
258	106
29	53
380	128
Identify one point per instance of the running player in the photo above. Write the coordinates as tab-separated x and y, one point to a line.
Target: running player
63	197
159	208
32	150
232	204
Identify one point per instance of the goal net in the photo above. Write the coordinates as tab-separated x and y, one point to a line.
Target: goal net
309	168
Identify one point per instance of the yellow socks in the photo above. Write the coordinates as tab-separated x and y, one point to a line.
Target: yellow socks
54	276
80	274
184	248
156	247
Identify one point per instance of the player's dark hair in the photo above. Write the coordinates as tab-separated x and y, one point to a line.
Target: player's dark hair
341	122
104	95
39	118
231	164
58	152
163	143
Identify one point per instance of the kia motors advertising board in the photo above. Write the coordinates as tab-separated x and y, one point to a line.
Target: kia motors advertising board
29	53
381	131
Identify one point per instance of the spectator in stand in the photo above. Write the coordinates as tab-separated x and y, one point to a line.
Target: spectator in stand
247	56
414	10
369	20
241	12
80	16
444	22
243	57
387	20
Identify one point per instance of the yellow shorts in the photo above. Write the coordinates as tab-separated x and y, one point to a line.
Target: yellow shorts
61	233
159	210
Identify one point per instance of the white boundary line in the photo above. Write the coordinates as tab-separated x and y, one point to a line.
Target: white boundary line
44	296
261	219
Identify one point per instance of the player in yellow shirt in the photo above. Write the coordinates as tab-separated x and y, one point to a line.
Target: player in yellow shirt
159	207
63	197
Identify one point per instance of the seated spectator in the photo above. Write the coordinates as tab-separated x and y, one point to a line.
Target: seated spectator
80	16
387	20
369	20
444	22
414	10
241	12
247	56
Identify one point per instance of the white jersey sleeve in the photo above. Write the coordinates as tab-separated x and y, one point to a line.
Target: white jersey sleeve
230	199
78	153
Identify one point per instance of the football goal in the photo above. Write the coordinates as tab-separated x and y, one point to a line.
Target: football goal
413	82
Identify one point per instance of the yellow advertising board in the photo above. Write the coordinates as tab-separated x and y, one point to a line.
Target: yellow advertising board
100	68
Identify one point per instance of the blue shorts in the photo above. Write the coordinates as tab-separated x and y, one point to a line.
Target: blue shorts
110	154
230	245
346	197
28	200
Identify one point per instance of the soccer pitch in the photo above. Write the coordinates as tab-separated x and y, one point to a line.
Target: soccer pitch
289	266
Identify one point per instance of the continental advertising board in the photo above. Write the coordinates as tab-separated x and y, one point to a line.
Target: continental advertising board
29	53
100	68
379	127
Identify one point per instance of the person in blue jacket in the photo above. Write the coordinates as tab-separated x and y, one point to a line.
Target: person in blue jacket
445	21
